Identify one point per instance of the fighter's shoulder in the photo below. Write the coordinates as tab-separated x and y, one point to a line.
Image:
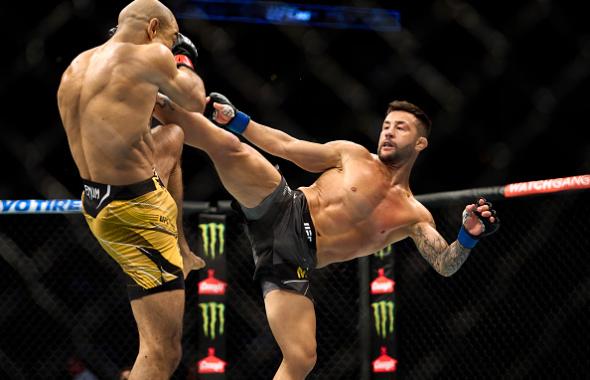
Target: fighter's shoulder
348	147
124	52
157	59
78	65
156	52
421	213
82	58
420	219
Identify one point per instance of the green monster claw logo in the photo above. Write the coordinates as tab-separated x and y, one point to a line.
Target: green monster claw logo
384	252
213	234
213	314
383	315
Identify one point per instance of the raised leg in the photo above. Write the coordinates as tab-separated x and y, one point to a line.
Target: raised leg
244	172
169	140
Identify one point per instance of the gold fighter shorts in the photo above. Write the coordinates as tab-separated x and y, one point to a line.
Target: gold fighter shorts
136	226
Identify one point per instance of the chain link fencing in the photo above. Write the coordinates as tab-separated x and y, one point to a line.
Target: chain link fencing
63	297
517	309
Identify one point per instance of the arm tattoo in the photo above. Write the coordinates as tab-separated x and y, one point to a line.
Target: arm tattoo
445	259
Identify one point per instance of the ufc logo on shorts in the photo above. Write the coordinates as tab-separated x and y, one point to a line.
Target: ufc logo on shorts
308	231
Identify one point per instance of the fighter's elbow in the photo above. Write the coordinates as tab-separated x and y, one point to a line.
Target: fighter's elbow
195	96
446	271
197	101
200	98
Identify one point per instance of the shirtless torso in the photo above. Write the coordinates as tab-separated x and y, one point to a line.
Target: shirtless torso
106	98
360	203
357	211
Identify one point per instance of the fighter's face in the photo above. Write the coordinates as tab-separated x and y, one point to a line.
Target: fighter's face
399	137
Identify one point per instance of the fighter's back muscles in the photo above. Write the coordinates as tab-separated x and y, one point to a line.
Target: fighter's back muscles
114	104
105	108
68	98
151	63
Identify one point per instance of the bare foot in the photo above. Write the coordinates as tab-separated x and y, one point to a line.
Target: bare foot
191	262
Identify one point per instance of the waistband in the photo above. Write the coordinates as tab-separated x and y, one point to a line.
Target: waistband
98	195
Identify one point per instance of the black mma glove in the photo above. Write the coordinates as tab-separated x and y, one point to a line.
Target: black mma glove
185	52
471	217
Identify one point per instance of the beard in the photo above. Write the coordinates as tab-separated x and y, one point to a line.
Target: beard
395	157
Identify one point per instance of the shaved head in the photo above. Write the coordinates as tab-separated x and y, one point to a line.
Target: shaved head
146	10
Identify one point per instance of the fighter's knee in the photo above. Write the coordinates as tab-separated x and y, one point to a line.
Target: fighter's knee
176	132
175	137
303	356
175	355
168	355
170	137
309	360
228	147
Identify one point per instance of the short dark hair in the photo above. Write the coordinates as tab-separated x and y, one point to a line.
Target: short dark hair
402	105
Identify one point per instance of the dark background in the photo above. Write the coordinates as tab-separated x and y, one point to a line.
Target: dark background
506	85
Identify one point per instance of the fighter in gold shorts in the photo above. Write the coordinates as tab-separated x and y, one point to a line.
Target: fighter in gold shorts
136	226
106	98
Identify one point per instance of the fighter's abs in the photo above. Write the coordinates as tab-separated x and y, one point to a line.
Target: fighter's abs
354	216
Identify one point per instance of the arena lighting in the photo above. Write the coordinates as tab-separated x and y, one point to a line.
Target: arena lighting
280	13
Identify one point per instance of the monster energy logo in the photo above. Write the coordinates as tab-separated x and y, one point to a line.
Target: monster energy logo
383	315
384	252
213	314
213	234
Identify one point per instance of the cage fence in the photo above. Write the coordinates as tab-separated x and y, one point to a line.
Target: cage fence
517	309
